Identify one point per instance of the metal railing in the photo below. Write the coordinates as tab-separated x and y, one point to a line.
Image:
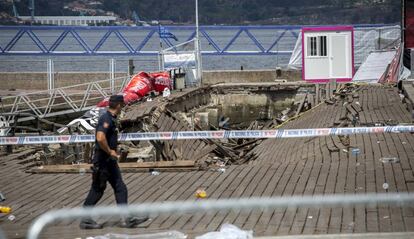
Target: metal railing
122	40
317	201
59	101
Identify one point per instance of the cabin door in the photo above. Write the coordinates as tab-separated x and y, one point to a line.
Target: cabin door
339	58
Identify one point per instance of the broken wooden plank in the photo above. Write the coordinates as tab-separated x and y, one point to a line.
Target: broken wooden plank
311	100
302	102
351	110
338	142
19	155
29	159
205	151
343	114
158	164
330	144
177	153
356	106
124	170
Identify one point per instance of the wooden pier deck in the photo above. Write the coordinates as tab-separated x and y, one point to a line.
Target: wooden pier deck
283	167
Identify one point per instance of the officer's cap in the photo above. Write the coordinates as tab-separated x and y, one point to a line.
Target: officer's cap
116	99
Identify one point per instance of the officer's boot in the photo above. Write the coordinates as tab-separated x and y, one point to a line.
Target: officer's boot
88	223
131	222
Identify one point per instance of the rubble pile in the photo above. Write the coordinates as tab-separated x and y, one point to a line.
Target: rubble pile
194	109
184	113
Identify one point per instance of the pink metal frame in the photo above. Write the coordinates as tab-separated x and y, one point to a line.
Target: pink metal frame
327	29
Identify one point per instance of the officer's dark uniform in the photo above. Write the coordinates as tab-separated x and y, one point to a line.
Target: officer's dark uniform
106	169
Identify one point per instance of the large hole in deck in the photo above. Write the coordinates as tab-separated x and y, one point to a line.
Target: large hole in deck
237	110
251	107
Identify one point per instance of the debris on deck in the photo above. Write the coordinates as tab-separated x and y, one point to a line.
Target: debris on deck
248	106
358	164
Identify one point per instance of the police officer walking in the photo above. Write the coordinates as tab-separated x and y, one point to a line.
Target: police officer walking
105	167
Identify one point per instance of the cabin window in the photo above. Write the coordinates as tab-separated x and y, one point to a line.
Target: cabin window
322	46
312	46
317	46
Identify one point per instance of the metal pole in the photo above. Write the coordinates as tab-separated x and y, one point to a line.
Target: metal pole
402	21
197	47
160	54
159	60
53	73
112	75
162	62
32	11
412	62
50	76
131	67
379	39
277	55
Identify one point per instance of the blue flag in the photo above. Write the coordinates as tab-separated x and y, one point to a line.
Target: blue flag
164	33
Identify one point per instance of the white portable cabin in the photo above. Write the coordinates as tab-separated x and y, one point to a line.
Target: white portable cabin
328	53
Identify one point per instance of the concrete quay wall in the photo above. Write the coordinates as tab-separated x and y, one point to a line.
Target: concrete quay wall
38	80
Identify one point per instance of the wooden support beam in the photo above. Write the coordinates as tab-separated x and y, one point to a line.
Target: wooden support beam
143	166
302	102
327	91
317	91
332	87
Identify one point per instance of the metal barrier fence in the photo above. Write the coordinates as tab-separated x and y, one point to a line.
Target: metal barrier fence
262	47
121	40
135	40
64	100
317	201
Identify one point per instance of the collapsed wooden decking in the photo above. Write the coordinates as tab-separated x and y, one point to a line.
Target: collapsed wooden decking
283	167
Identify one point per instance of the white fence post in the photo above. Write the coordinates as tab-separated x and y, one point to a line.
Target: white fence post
112	75
159	61
50	76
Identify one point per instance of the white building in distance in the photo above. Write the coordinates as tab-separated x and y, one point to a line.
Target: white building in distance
70	20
